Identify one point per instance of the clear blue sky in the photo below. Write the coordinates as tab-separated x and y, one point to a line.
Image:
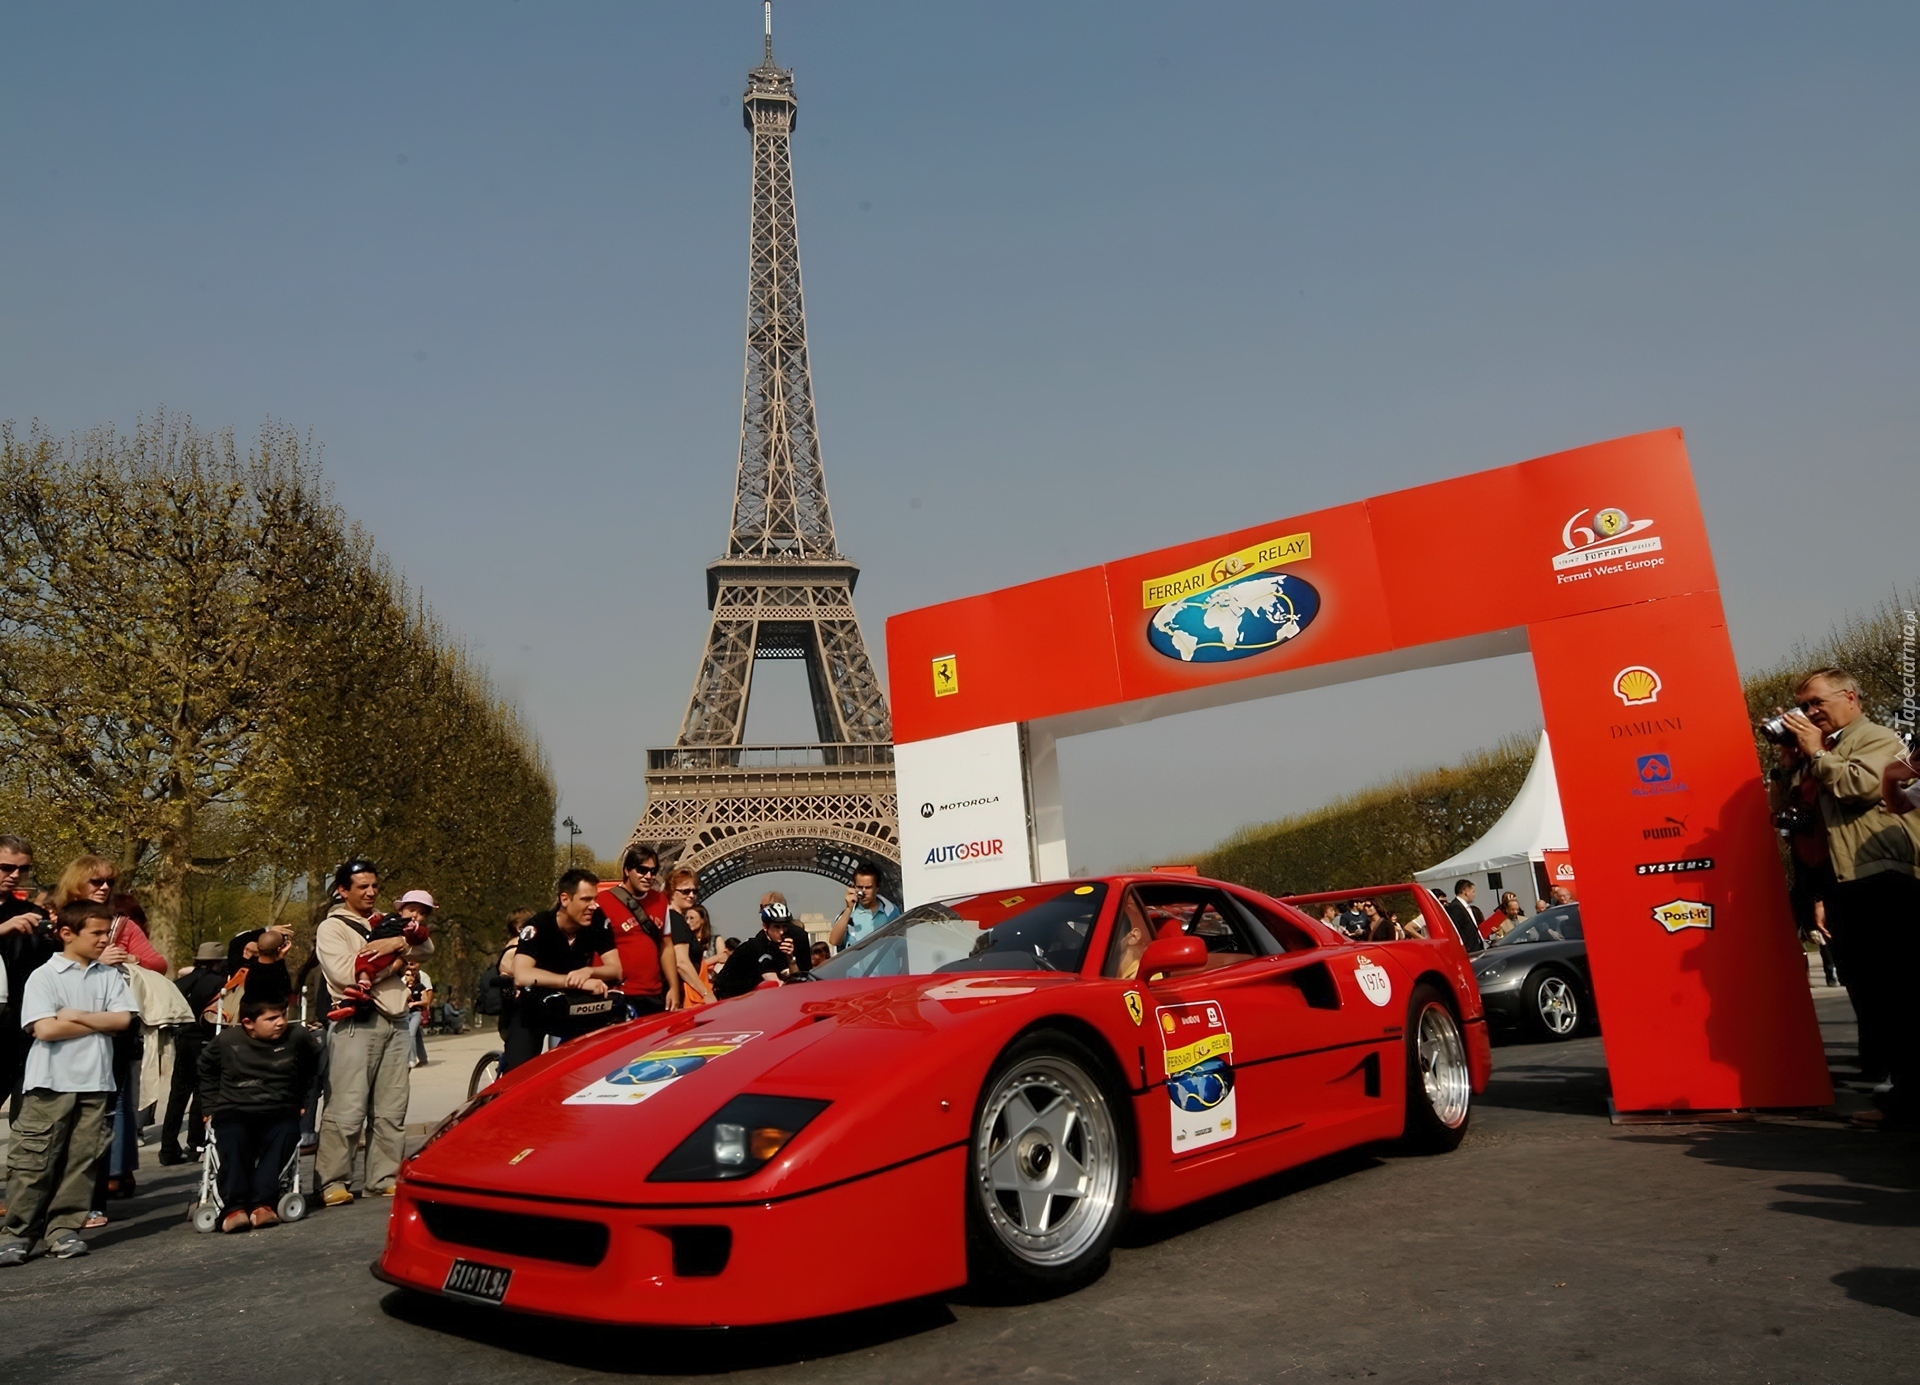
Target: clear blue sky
1082	280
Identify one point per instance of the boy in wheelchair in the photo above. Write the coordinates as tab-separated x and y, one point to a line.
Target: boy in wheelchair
253	1079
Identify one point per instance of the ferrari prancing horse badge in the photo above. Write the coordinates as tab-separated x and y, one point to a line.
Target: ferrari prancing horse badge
1134	1008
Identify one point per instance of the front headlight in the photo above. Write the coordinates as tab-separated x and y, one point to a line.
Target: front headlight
738	1140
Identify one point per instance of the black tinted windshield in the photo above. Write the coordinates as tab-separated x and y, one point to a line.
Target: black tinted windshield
1556	925
1032	928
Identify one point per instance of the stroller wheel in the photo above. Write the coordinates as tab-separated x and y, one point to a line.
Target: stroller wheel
206	1216
293	1206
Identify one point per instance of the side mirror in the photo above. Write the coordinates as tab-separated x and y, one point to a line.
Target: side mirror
1165	956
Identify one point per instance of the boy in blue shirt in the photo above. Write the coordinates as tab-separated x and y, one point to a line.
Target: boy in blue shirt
71	1006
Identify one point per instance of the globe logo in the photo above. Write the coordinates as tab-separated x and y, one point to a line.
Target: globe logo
1234	620
642	1071
1201	1088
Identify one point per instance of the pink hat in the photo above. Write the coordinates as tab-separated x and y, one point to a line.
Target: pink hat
418	897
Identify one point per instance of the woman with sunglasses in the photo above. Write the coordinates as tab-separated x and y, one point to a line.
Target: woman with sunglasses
690	941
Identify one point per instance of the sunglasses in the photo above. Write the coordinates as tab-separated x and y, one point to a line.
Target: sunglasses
646	870
101	879
687	891
9	868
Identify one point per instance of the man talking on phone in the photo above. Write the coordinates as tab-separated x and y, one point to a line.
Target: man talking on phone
866	911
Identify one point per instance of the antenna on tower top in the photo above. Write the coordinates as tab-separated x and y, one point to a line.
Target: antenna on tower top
769	13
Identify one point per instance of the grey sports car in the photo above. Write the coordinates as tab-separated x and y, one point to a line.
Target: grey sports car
1536	979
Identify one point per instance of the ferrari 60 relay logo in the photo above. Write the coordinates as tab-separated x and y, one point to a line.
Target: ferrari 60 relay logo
946	675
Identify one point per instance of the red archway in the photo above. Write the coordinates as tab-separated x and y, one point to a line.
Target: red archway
1612	588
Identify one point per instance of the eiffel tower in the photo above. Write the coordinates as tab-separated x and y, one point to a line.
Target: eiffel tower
720	807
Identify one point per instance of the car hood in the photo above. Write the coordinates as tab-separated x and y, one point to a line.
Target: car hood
592	1119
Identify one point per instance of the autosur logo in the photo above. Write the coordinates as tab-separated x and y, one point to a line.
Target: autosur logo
955	852
1655	773
1604	547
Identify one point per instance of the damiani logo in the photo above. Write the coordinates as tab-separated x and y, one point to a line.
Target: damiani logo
964	851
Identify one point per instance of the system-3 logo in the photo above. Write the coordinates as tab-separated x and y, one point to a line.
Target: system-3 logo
926	810
1605	547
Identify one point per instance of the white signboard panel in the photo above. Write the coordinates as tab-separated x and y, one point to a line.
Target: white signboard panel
963	814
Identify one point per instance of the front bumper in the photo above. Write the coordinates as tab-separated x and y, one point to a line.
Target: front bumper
892	1235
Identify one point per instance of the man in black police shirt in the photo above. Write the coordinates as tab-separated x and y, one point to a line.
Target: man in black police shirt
555	955
24	946
1465	918
778	948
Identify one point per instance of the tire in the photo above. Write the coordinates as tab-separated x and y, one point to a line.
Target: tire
206	1216
1439	1083
1048	1169
293	1206
1552	1005
485	1072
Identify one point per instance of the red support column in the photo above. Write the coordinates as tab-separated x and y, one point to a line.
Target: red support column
1701	983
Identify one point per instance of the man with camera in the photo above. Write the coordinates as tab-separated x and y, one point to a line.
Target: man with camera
1831	753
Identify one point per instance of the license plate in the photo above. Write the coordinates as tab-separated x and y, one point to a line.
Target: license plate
487	1283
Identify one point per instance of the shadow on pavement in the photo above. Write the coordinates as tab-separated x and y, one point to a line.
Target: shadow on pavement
1147	1229
1883	1287
1872	1174
669	1351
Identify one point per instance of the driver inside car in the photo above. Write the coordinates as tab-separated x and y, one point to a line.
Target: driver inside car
1132	934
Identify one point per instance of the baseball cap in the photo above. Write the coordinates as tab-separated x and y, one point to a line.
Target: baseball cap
776	912
417	897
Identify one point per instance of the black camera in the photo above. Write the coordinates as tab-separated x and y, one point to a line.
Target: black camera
1797	820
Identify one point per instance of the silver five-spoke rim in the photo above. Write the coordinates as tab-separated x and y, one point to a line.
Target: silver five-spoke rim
1443	1066
1559	1009
1047	1160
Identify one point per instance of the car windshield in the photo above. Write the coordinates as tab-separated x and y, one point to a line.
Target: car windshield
1561	925
1030	928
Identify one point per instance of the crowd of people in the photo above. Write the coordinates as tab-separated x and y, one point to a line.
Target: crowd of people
1364	920
80	1015
645	944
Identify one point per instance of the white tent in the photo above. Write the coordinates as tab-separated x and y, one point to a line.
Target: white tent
1506	857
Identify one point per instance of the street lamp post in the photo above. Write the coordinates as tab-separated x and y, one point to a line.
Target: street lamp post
573	835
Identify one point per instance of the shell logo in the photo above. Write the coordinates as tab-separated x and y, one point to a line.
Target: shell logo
1636	685
1166	1022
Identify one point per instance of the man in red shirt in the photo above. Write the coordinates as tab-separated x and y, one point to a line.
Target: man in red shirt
635	910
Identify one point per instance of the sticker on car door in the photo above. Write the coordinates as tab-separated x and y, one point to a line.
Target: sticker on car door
1376	984
1199	1069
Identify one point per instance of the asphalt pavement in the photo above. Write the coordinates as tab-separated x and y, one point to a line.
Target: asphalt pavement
1553	1245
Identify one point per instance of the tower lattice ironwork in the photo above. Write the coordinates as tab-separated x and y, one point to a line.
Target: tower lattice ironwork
721	807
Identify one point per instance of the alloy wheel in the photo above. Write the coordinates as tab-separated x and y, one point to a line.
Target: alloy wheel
1047	1159
1443	1066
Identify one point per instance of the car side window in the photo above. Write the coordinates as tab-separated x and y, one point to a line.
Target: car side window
1200	913
1285	935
